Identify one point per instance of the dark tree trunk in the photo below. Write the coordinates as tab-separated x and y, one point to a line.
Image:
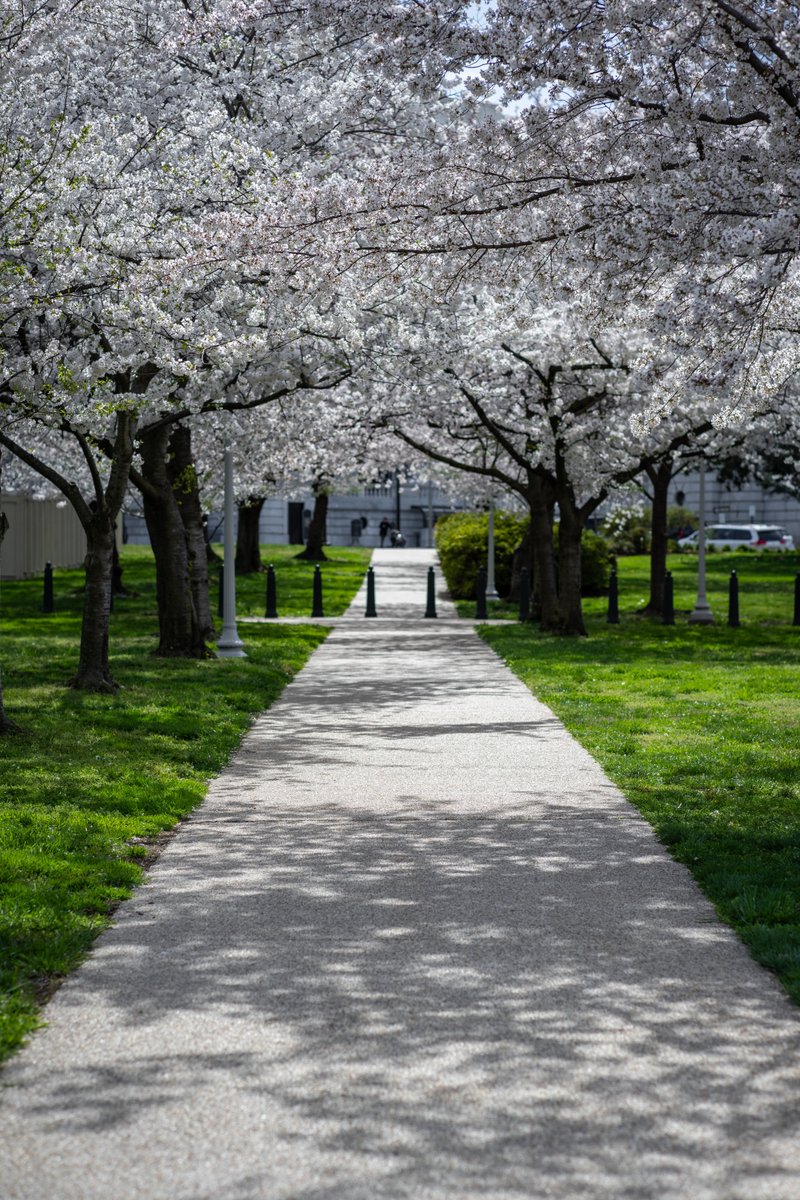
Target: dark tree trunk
94	672
545	586
183	478
180	631
98	516
248	550
537	554
313	551
660	477
570	605
118	588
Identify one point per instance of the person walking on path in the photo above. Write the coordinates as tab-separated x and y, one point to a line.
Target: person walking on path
413	946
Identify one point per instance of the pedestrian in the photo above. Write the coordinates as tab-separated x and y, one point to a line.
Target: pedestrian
383	529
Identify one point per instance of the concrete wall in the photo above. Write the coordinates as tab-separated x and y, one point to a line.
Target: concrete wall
39	531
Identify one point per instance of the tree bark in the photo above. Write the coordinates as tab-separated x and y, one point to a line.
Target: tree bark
570	604
536	553
660	477
545	586
183	479
94	672
248	550
180	631
313	551
98	517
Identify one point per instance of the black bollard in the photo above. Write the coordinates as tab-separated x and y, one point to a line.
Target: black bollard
371	609
613	599
668	605
524	595
796	620
48	601
272	604
316	605
733	601
221	592
480	607
430	611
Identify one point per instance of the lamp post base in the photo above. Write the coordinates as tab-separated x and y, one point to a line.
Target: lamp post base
701	614
230	646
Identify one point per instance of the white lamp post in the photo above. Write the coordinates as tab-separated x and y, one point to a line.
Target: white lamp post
491	590
701	614
229	644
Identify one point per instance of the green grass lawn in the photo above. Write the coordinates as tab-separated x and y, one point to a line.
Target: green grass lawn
93	781
700	728
341	578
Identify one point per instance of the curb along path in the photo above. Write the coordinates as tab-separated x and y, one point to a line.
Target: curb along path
414	945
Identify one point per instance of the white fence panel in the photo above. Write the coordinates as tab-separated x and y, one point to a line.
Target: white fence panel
39	531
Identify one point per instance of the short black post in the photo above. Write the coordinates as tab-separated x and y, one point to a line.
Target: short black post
668	603
796	620
613	599
524	595
733	601
221	592
371	609
430	610
316	604
48	602
480	607
272	602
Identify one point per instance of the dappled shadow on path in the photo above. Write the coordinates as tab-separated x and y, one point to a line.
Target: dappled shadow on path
444	1007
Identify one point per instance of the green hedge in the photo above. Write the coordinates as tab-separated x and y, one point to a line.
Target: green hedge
462	541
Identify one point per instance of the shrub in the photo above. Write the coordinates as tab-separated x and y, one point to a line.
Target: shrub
462	540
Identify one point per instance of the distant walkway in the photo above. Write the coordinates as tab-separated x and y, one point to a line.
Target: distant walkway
414	946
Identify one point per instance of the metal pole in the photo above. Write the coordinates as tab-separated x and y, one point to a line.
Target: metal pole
316	593
397	500
480	596
668	614
430	514
733	601
371	610
48	602
613	599
491	590
272	599
229	644
701	614
430	610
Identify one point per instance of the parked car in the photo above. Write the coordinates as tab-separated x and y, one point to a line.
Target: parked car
732	537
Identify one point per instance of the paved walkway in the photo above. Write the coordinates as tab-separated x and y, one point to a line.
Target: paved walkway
414	946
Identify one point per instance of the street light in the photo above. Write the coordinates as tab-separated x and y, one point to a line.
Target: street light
229	645
701	614
491	590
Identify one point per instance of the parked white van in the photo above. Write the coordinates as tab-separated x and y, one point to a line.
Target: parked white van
732	537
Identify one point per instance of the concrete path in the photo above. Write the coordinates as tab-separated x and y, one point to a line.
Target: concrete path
414	945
